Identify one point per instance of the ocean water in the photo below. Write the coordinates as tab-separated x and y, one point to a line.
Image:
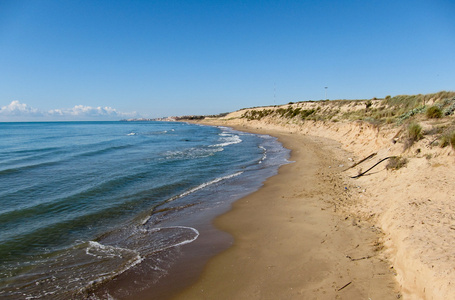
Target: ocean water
82	203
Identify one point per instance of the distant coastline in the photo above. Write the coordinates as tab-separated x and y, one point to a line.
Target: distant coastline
169	119
175	118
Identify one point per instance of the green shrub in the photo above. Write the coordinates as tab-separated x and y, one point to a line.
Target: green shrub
448	111
256	114
281	111
306	113
414	132
294	112
434	112
410	113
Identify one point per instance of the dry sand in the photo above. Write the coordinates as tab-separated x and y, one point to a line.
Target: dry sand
412	209
291	241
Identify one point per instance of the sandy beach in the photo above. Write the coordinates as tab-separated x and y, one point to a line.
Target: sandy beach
316	232
290	239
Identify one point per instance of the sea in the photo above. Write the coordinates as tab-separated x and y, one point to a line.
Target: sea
109	210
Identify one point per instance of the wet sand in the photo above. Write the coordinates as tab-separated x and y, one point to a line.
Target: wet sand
291	242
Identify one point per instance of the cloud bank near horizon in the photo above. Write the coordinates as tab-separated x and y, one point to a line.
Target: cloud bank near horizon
17	111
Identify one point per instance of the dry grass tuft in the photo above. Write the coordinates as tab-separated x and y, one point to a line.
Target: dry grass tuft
434	112
396	163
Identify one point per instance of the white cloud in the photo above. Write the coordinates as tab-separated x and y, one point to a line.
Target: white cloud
15	108
17	111
81	110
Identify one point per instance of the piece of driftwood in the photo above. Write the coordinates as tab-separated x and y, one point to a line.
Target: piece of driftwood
363	173
366	158
433	141
355	259
344	286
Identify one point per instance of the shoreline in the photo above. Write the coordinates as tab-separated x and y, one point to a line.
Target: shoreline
188	261
289	240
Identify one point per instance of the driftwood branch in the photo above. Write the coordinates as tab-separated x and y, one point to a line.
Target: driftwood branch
363	173
433	141
366	158
344	286
355	259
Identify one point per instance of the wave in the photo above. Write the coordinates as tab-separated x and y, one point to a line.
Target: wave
228	139
225	140
150	133
98	250
195	234
204	185
74	214
17	169
106	253
53	162
103	150
145	242
23	155
192	153
78	270
62	274
264	154
58	204
190	191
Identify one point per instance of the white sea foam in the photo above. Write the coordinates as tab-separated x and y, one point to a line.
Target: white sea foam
195	189
196	232
206	184
228	139
100	251
193	153
111	252
137	260
264	154
145	220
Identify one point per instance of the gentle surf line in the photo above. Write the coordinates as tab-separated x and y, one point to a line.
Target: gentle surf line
204	185
138	258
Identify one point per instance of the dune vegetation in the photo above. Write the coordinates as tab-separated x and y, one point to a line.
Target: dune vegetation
421	114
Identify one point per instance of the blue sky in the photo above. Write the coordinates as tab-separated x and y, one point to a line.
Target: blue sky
112	59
